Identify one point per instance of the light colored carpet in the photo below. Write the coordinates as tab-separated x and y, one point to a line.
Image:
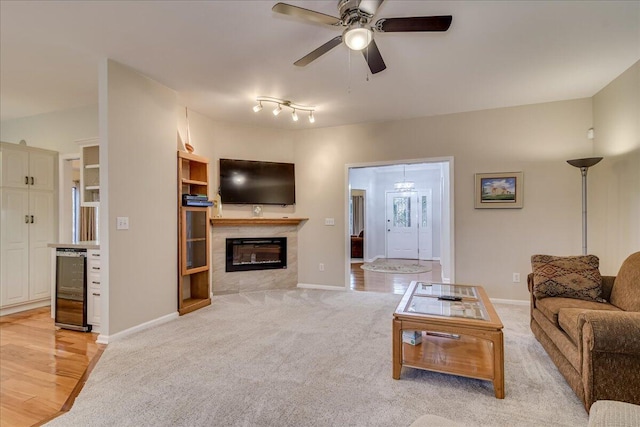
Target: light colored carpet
385	265
307	358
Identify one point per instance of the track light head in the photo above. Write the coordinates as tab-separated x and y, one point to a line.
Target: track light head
285	103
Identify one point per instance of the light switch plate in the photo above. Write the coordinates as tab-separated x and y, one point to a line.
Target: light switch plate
329	221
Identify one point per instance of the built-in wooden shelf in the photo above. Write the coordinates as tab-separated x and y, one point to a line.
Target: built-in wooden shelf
256	221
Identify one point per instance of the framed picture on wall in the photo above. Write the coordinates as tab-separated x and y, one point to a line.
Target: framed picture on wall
502	190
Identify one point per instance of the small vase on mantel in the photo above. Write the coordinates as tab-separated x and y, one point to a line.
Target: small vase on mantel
217	206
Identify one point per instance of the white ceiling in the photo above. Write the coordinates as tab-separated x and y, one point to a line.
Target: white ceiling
220	55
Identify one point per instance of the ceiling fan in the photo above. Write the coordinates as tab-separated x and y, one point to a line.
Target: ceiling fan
356	16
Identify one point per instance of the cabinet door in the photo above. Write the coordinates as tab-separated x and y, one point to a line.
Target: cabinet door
93	306
195	240
14	256
41	169
41	233
15	167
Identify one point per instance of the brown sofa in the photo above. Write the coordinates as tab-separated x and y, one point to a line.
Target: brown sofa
357	243
595	345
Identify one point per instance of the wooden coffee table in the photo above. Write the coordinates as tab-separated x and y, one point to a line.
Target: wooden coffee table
458	337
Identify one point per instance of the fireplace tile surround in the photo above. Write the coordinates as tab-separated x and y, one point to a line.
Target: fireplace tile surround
247	281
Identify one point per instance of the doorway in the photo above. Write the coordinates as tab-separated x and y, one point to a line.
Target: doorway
408	211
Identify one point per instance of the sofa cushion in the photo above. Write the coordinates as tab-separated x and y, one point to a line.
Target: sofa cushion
550	307
569	277
626	288
568	320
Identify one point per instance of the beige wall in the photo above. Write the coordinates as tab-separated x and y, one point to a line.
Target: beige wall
54	131
215	140
138	180
614	184
489	244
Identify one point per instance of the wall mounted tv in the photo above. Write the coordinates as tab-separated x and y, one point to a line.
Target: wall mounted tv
257	183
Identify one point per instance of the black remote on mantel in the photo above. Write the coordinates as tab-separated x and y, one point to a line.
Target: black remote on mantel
449	298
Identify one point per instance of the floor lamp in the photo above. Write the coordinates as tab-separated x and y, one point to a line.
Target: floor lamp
584	165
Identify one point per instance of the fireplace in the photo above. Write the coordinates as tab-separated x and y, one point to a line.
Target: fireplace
256	253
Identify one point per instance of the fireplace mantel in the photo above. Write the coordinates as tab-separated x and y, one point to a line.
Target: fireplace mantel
256	221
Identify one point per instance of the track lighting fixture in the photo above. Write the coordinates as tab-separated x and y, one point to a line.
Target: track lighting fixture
285	103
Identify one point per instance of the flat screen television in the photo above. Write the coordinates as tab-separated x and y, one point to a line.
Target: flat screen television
257	183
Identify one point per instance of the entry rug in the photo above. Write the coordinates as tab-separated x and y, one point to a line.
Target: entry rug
396	266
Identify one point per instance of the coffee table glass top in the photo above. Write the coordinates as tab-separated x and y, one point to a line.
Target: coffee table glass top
441	289
440	299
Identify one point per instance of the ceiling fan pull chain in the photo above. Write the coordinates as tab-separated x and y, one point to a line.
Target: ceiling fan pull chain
349	71
367	68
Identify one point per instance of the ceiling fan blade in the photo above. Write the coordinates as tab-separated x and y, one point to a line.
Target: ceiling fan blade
416	23
305	60
307	14
370	6
374	58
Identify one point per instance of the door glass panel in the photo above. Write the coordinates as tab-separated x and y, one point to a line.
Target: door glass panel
423	204
402	212
195	233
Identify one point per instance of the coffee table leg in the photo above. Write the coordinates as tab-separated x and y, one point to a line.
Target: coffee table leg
498	365
397	348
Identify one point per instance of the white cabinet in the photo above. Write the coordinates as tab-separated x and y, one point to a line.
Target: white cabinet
89	172
27	226
93	289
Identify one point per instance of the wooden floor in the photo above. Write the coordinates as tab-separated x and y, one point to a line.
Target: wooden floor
372	281
42	369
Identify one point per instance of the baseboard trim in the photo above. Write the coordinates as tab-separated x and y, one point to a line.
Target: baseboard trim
509	301
24	307
324	287
106	339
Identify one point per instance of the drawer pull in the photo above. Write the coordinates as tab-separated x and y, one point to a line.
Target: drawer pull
32	181
96	294
96	255
26	180
26	219
95	283
96	268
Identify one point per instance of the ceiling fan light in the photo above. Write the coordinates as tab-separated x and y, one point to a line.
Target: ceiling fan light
357	38
277	110
257	107
311	118
294	115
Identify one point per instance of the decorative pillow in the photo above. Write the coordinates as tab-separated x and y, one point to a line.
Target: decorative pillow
569	277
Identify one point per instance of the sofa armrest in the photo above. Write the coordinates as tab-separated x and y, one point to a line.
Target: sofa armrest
611	331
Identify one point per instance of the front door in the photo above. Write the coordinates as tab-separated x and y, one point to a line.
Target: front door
402	224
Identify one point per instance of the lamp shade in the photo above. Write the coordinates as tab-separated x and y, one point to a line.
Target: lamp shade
357	38
584	163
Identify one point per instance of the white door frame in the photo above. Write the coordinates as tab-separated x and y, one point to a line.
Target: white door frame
448	223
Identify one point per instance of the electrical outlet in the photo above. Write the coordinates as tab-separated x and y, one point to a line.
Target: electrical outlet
516	277
122	223
321	267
